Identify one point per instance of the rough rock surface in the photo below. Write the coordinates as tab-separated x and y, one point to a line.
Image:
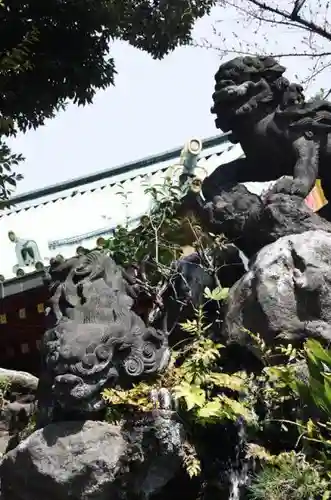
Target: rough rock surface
287	291
239	215
93	461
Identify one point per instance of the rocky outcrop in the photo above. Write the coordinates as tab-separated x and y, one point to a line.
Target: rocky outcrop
286	292
18	392
252	222
93	461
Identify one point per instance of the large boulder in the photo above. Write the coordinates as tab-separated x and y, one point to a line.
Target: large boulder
286	292
252	221
93	460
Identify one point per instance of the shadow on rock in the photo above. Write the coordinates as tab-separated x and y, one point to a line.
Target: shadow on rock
94	460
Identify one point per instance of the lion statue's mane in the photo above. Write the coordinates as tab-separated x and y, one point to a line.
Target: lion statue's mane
256	86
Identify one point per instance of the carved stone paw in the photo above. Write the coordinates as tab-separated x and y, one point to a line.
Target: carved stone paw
292	187
299	188
162	399
283	185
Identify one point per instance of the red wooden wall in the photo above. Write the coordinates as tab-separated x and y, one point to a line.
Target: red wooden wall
22	324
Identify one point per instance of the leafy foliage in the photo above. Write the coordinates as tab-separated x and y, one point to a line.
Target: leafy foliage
190	460
290	477
58	51
8	177
303	381
201	385
155	236
11	62
136	398
217	294
159	238
204	394
319	373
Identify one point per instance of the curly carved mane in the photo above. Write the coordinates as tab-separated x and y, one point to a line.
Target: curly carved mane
253	87
95	339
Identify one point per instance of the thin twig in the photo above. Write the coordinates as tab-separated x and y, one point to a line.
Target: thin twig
290	16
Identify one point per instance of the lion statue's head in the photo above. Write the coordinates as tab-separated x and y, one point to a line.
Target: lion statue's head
251	86
94	339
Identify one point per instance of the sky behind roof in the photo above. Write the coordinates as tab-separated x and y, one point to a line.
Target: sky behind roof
154	106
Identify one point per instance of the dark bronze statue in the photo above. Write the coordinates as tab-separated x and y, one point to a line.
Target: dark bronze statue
94	339
279	132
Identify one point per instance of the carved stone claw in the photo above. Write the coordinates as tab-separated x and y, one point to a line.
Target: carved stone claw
284	185
161	399
153	396
165	399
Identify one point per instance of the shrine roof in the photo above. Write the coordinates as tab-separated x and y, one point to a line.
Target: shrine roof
75	213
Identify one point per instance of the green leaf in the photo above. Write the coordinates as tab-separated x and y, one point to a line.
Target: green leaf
303	390
318	395
315	367
192	394
224	380
327	392
217	294
211	410
193	468
314	347
236	409
190	326
11	181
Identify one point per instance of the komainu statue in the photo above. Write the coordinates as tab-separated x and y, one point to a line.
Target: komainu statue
94	339
280	133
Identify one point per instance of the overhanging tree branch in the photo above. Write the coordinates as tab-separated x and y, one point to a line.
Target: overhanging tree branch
261	18
293	16
308	24
298	4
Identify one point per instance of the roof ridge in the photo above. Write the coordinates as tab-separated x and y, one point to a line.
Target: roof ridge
108	173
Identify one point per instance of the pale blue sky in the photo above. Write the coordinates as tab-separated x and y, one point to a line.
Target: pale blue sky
154	106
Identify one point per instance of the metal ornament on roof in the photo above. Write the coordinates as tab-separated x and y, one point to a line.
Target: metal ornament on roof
189	155
27	255
188	162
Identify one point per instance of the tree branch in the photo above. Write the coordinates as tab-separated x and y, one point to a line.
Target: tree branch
298	4
293	16
263	19
312	55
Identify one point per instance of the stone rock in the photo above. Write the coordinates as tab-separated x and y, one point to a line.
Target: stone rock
17	407
286	292
238	214
93	461
19	381
4	439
